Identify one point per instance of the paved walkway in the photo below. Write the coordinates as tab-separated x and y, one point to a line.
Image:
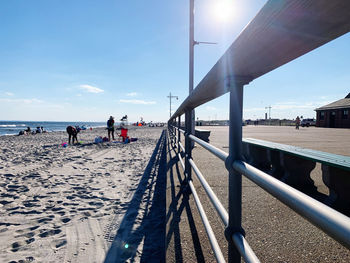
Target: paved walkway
276	233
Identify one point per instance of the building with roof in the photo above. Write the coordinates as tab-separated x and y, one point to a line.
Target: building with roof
335	114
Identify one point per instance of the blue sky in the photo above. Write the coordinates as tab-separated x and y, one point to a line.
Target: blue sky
85	60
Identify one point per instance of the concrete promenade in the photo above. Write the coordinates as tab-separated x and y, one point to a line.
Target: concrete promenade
275	232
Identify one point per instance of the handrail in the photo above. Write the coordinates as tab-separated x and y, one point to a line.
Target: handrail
213	242
329	220
213	198
181	130
240	242
182	147
217	152
181	162
316	23
244	249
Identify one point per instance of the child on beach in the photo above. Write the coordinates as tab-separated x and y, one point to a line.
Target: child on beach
72	132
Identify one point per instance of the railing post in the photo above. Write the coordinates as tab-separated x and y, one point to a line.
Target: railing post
235	179
188	143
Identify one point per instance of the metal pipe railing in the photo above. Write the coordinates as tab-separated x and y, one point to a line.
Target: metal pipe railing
217	152
212	239
181	162
329	220
230	73
213	198
182	147
244	249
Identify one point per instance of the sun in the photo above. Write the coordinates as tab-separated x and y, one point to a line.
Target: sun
223	10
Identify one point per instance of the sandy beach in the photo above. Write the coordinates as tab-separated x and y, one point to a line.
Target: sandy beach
75	203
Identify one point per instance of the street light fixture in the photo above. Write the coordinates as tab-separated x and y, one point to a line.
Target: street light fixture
170	97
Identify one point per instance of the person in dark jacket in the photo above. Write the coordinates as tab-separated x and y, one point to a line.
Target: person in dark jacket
110	128
73	133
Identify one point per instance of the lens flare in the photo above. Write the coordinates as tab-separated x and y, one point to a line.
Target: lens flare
223	10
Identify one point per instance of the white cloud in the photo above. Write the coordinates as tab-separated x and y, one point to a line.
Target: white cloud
138	102
91	89
9	93
132	94
23	101
79	95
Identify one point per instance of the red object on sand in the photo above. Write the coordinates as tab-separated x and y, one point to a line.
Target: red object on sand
123	133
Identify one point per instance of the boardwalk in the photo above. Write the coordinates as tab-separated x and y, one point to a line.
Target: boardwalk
276	233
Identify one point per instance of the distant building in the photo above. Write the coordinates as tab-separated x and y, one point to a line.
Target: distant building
335	114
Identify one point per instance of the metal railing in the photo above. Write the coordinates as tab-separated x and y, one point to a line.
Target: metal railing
243	62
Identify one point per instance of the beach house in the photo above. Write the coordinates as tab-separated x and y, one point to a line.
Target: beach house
335	114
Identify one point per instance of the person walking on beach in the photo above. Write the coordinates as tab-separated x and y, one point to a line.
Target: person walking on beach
110	128
297	123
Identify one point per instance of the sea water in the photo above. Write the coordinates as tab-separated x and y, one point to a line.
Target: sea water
14	127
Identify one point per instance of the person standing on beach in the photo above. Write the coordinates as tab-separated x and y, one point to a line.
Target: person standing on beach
110	128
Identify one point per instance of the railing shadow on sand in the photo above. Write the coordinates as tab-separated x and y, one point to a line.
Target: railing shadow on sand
179	192
144	219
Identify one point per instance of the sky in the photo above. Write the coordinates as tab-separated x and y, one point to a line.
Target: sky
85	60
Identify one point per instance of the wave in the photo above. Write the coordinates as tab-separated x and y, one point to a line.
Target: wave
7	125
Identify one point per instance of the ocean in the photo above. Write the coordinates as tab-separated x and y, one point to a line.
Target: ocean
14	127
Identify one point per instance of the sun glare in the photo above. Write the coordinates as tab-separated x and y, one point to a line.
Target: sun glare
223	10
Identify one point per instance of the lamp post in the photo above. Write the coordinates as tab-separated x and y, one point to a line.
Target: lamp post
170	97
269	107
192	43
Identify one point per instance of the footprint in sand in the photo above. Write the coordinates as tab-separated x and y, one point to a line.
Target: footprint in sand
49	232
31	203
65	220
45	219
17	188
27	235
59	243
17	246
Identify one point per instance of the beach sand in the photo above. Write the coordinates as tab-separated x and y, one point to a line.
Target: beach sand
83	203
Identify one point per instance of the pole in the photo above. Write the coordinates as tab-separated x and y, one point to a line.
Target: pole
170	105
191	43
189	115
170	96
191	67
269	107
235	179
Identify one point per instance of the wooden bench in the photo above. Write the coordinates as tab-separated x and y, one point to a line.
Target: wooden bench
202	134
293	165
